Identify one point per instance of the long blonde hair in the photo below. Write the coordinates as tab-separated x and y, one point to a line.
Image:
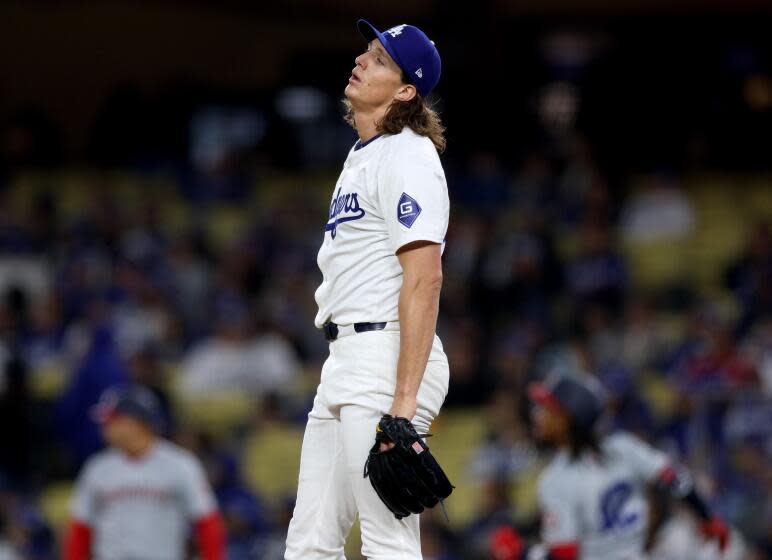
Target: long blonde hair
417	114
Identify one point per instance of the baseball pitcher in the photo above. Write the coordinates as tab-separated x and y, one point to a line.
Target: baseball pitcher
378	304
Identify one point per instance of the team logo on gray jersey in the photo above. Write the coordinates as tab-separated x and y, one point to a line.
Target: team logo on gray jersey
613	504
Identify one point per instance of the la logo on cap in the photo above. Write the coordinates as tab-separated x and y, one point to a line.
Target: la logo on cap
394	31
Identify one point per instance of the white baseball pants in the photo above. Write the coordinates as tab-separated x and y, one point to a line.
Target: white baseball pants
356	389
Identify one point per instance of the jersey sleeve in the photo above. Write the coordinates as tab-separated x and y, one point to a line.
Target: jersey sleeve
197	497
560	518
83	505
646	462
413	197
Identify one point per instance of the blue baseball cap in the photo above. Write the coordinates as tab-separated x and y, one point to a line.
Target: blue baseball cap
581	400
412	50
133	400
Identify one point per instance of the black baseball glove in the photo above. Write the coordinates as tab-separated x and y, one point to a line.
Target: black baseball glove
406	477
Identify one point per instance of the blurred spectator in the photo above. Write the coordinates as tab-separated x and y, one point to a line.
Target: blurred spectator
748	479
140	315
507	452
644	344
145	369
514	345
709	360
14	235
271	547
44	223
485	184
533	191
519	271
189	261
25	533
246	518
142	240
599	274
708	370
121	276
660	211
15	398
569	356
627	410
750	278
6	550
16	469
757	349
465	242
437	539
582	193
43	345
598	328
238	359
498	463
462	343
495	511
100	368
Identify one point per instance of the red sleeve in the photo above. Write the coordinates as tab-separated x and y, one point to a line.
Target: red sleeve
210	536
564	551
667	475
506	544
77	541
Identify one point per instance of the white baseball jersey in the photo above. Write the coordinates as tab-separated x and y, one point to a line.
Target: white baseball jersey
600	502
391	192
142	508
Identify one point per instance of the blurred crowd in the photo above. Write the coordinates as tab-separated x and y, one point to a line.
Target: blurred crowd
161	211
591	234
538	278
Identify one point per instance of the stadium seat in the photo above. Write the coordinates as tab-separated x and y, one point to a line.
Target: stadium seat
658	265
219	414
225	224
458	434
272	460
47	383
55	504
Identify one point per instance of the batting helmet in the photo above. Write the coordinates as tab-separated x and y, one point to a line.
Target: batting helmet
580	400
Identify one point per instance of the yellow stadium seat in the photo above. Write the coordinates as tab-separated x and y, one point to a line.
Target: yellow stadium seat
759	199
272	460
353	548
225	224
659	264
55	504
176	215
47	383
524	494
659	393
458	434
219	414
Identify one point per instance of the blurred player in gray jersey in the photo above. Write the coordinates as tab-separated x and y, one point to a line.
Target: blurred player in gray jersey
594	495
138	499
